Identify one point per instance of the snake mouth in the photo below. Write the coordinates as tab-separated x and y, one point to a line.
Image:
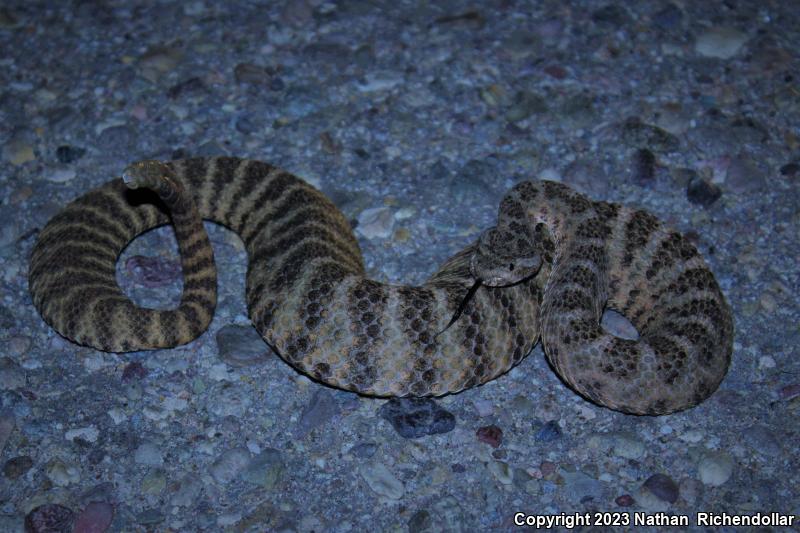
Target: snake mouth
515	271
505	272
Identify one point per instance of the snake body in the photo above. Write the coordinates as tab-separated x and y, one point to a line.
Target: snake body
554	261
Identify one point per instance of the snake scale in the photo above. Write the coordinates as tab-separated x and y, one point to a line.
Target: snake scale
552	264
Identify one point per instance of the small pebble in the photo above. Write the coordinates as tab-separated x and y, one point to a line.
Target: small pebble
265	469
549	432
494	95
7	424
472	181
10	228
766	361
229	401
501	472
158	61
134	371
229	464
767	302
787	392
190	86
625	500
744	177
19	345
533	487
250	73
364	450
50	518
153	271
417	417
187	491
790	169
760	438
297	13
115	138
547	468
376	223
320	410
524	105
637	134
581	488
420	522
154	482
611	15
491	435
150	517
585	175
720	42
644	166
61	473
693	436
86	434
61	175
12	376
382	481
69	154
8	19
148	454
715	467
702	192
241	346
649	501
17	466
95	518
663	487
668	17
690	490
483	407
18	152
401	235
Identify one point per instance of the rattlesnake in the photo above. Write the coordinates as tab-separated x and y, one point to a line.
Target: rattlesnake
552	264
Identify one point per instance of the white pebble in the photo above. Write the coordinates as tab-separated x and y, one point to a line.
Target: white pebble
61	473
88	434
628	446
720	42
484	407
502	472
219	373
382	482
765	361
376	222
117	415
61	175
715	468
693	435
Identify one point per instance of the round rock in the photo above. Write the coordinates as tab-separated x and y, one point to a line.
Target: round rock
382	481
715	467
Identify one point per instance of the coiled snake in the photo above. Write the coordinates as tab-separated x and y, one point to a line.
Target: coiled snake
551	265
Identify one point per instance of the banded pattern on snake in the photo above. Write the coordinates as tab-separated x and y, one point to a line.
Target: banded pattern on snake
552	264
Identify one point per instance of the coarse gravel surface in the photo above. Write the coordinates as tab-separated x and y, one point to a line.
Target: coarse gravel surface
415	118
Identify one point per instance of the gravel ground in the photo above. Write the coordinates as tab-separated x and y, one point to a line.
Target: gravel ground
399	111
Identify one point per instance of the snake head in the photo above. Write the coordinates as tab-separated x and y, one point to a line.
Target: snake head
503	257
148	173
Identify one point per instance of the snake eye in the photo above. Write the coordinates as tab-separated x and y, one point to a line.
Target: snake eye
511	267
